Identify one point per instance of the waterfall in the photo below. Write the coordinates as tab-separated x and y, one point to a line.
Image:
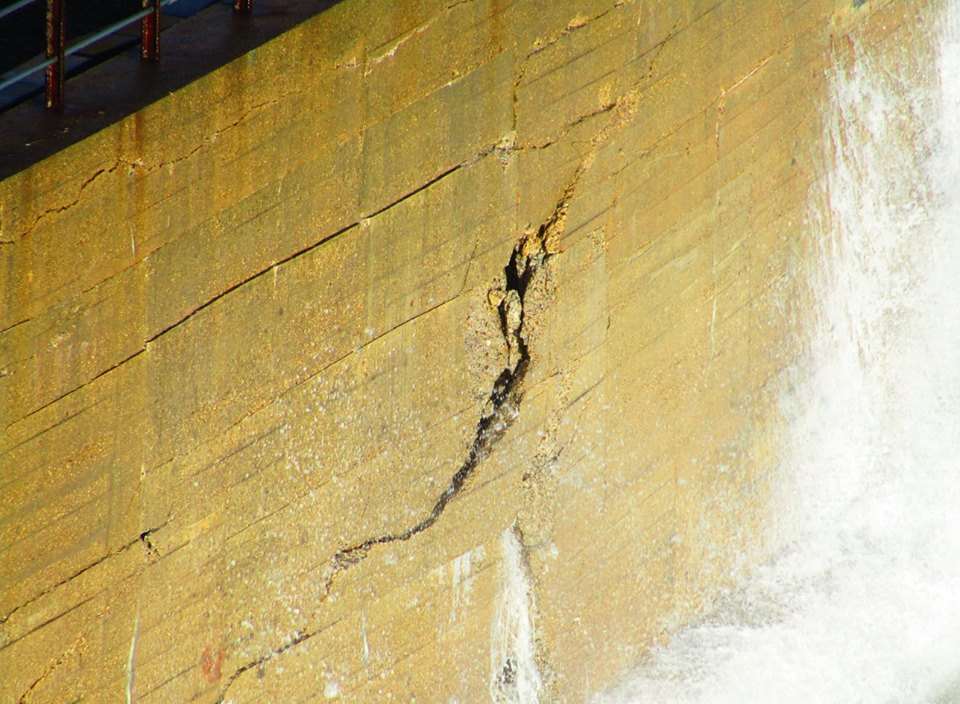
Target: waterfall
861	602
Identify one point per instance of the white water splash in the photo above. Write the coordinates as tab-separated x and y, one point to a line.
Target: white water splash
131	659
514	675
862	604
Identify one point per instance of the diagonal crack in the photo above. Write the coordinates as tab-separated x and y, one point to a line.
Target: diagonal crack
500	411
77	647
496	148
69	204
503	405
139	165
142	539
11	326
578	21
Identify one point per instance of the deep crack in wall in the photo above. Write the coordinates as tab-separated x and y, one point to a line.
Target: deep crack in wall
305	339
500	411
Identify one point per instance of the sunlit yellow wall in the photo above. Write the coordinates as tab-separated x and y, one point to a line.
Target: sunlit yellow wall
254	325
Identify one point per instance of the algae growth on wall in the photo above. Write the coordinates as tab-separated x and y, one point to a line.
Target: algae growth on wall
430	350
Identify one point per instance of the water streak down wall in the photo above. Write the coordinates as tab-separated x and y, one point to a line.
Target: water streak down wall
285	355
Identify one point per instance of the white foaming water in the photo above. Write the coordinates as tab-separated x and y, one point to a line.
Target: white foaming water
862	603
514	675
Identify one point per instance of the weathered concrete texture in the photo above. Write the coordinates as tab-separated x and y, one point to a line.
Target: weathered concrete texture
276	375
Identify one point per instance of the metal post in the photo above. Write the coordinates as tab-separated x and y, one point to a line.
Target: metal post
243	7
55	47
150	32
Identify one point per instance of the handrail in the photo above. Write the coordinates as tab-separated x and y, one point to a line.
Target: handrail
19	74
94	37
9	9
53	64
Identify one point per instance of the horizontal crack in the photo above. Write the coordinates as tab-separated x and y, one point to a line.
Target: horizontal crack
138	164
11	326
210	139
59	422
62	396
320	242
566	128
209	302
66	206
143	539
487	151
577	22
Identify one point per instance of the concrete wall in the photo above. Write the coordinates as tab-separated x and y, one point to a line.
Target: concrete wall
291	357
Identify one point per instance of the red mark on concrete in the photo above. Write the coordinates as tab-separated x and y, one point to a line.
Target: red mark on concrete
852	46
210	663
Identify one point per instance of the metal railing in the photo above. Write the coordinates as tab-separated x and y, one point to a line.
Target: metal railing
56	50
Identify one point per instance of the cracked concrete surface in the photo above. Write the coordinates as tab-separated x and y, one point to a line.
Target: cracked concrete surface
499	412
143	539
138	166
276	378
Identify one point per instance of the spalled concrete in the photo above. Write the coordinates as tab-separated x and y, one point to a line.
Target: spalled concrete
285	354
